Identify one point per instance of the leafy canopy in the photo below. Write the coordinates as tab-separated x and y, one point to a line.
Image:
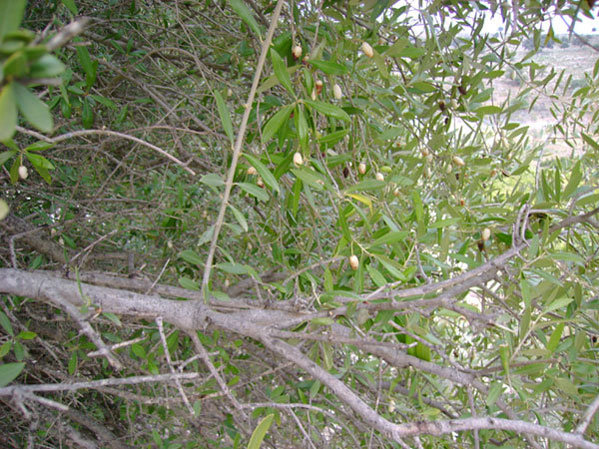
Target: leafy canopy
349	224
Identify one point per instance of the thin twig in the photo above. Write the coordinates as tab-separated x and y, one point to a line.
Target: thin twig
167	354
105	132
223	385
91	333
237	150
16	389
588	416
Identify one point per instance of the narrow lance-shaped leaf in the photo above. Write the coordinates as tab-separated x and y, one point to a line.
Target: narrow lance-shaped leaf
260	432
575	179
4	209
263	171
225	116
281	72
554	340
34	110
70	4
8	112
11	14
9	372
246	15
302	127
328	109
329	67
275	122
253	190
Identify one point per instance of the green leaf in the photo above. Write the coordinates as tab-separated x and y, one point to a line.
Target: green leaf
328	67
390	237
272	80
5	323
11	15
260	432
391	266
588	139
575	178
327	355
212	180
191	256
104	101
246	15
39	161
494	393
254	190
6	155
525	323
376	276
15	65
225	116
138	350
4	209
5	348
281	72
301	125
9	372
239	217
504	354
411	52
328	109
555	338
236	268
8	112
87	114
567	386
275	122
43	172
367	184
88	66
487	110
558	304
323	321
70	4
26	335
310	177
418	206
112	317
264	172
34	110
334	137
423	86
189	284
14	170
39	146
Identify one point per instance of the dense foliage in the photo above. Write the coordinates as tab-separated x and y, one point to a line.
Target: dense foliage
312	222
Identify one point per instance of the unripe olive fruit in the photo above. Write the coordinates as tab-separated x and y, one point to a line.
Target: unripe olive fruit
23	173
458	161
337	93
362	168
354	262
298	159
486	234
297	51
251	171
379	176
367	49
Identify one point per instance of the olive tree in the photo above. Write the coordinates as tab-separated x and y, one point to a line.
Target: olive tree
297	224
